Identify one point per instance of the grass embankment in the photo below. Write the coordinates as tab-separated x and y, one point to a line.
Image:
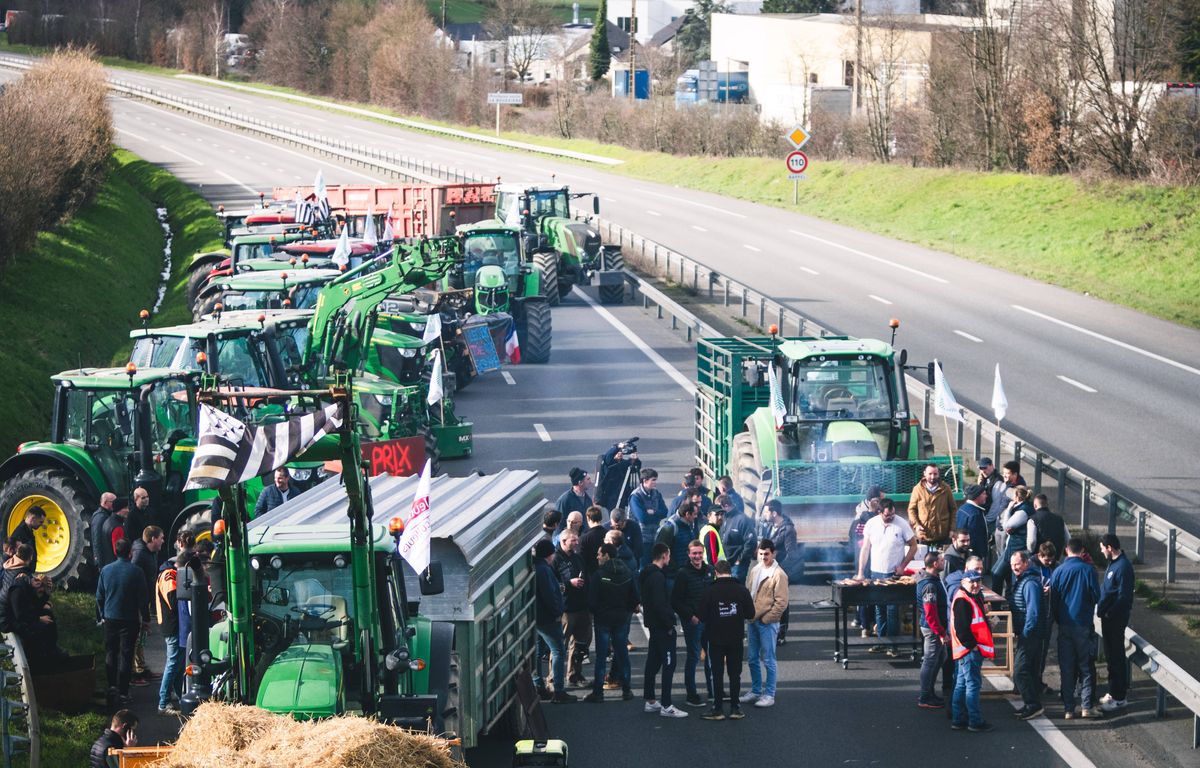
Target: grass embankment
1128	243
75	296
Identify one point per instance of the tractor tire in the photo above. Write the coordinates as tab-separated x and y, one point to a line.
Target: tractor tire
464	372
63	538
196	518
612	294
547	267
535	333
746	472
204	307
195	282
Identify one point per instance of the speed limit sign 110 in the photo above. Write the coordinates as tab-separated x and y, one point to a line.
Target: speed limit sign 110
797	163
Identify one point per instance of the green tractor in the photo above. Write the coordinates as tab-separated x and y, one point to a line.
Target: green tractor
565	252
502	282
812	422
244	244
263	289
113	429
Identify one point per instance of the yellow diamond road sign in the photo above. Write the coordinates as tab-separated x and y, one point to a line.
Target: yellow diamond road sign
798	137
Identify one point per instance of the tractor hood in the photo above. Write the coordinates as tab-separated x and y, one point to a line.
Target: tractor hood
305	681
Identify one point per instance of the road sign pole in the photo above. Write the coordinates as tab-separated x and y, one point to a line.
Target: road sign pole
795	191
497	118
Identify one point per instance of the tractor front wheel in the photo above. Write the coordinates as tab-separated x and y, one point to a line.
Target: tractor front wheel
612	260
547	267
535	332
62	539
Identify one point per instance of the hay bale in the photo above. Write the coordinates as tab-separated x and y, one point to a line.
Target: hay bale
236	736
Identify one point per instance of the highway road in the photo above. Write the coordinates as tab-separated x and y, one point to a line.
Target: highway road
1106	389
616	373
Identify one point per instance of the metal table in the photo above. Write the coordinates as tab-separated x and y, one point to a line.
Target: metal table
847	596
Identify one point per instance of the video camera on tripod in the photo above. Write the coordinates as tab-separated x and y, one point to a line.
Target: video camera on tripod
617	474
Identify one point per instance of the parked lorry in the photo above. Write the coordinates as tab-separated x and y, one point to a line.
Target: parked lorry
112	430
322	615
840	423
565	252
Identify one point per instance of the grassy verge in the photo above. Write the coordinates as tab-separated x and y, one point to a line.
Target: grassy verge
73	299
1128	243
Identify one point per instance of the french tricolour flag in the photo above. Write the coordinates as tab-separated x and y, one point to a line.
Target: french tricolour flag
512	346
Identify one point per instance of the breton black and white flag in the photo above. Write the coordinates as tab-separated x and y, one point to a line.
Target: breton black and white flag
304	213
231	452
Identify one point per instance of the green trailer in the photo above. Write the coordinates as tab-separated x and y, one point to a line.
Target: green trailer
813	422
483	529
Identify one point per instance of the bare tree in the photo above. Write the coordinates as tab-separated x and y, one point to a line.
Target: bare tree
986	49
884	53
522	27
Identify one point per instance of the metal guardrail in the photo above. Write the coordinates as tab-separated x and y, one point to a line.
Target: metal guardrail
20	714
663	261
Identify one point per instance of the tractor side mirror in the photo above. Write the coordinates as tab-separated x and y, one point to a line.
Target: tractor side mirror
432	581
596	204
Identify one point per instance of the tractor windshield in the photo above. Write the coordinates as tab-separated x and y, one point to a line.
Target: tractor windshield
312	592
238	361
245	251
171	412
491	249
158	351
292	341
110	436
549	202
839	389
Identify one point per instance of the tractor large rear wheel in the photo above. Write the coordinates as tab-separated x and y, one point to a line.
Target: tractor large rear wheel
547	267
62	539
195	283
612	260
198	519
535	332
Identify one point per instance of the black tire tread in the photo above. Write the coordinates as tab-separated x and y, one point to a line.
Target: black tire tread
612	294
77	506
547	266
536	333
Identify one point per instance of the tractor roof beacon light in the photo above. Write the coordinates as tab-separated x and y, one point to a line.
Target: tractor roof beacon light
894	323
396	527
130	371
145	317
201	361
218	528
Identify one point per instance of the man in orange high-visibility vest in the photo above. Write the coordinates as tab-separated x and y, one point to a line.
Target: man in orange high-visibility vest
970	643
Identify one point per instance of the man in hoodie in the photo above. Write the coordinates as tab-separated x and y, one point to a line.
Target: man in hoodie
144	554
1116	602
660	622
724	609
548	611
166	612
691	580
972	517
612	599
647	506
1074	591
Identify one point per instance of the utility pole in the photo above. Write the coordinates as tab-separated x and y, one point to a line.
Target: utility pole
632	49
856	97
443	15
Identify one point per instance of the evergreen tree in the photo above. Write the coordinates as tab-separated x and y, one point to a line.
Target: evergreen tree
692	42
601	51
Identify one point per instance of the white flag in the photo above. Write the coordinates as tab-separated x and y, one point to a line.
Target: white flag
414	542
435	378
433	328
777	406
944	403
369	237
999	401
322	202
341	254
388	233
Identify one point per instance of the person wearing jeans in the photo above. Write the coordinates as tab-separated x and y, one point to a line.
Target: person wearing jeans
548	615
931	595
970	643
1074	590
888	543
691	581
612	598
768	585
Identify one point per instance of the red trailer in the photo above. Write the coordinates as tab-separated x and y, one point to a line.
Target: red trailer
413	209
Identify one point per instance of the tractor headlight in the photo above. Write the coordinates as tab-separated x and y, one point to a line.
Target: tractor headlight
300	475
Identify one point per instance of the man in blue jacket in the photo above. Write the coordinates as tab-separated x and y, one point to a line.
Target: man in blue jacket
275	494
1116	601
1030	624
123	600
648	508
1074	591
548	611
972	518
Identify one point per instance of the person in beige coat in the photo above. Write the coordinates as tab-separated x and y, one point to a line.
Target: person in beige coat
768	586
931	508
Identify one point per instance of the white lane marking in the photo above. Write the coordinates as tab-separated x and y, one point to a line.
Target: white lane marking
275	147
251	190
752	248
131	133
1078	384
655	358
880	299
699	229
809	271
969	337
693	202
1044	727
872	257
508	378
1109	339
654	213
542	433
189	158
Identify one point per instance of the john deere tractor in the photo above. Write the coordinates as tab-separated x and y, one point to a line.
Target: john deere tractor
565	252
502	282
113	429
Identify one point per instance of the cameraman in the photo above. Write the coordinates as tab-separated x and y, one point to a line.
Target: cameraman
619	468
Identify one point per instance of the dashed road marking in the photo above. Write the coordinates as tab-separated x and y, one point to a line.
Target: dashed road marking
1078	384
969	337
880	299
872	257
542	433
752	248
508	378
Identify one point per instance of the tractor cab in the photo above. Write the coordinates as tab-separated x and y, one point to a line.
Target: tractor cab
286	289
522	205
492	267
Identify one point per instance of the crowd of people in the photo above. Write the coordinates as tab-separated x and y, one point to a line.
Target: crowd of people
697	568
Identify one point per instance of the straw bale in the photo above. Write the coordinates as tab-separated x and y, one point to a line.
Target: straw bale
233	736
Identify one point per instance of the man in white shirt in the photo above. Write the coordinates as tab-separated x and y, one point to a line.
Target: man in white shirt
888	544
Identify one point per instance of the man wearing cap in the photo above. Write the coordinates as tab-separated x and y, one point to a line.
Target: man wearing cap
576	498
970	643
931	508
972	518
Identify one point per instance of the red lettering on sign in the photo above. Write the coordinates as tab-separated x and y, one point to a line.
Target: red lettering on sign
400	457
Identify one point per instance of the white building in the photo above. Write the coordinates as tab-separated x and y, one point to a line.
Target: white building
653	15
